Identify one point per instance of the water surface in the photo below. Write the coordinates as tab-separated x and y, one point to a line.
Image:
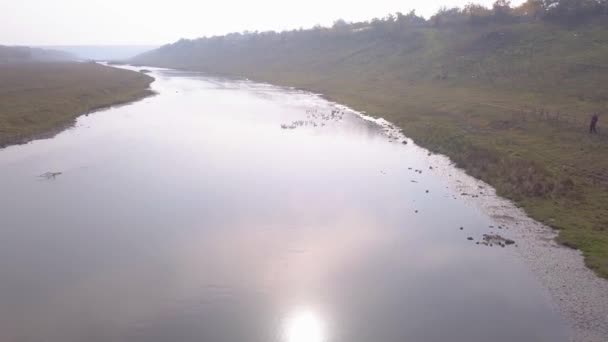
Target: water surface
233	211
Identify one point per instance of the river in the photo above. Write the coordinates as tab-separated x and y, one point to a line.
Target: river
222	210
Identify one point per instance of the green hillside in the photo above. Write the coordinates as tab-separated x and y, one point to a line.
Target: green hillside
506	93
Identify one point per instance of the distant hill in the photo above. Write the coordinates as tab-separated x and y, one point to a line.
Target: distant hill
506	93
22	54
104	52
538	56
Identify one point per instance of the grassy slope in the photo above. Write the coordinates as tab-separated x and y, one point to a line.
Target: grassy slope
37	98
509	103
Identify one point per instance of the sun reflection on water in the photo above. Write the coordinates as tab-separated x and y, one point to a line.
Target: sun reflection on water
304	326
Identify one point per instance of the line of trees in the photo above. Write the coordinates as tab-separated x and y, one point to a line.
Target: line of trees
566	12
560	11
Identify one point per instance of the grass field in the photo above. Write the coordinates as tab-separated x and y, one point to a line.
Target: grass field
41	98
509	103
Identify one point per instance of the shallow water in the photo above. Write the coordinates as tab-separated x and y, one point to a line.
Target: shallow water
194	216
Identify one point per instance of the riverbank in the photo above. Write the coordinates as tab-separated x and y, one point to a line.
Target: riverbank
576	292
553	170
41	99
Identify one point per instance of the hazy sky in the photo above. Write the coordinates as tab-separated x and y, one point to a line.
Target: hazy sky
65	22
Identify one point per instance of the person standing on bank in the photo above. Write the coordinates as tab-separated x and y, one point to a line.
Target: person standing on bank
593	126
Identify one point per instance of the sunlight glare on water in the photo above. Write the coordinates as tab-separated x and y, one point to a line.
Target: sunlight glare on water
305	326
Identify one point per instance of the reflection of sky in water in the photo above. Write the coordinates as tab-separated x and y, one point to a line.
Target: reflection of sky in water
193	216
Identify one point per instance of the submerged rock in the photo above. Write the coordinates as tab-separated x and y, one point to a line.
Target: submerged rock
50	175
495	239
